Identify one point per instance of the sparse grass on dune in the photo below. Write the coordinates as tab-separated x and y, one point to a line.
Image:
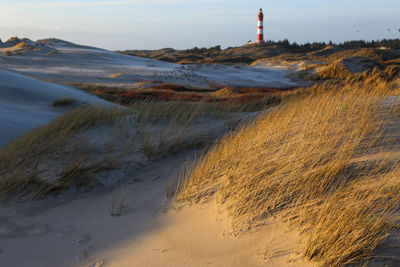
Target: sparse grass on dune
40	141
63	149
20	160
47	138
299	155
177	119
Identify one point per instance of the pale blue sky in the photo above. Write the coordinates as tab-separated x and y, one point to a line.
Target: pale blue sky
151	24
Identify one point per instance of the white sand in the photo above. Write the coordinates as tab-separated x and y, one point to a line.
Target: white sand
26	103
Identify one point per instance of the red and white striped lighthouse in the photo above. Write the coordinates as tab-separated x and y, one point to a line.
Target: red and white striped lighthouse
260	28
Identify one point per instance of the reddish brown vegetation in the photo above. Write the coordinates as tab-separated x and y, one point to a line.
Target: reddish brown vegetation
175	92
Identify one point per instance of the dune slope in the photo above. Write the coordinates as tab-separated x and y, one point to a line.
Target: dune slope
26	103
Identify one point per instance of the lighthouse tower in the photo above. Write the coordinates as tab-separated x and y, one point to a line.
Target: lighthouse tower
260	28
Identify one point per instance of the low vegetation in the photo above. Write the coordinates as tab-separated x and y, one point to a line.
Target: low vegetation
231	98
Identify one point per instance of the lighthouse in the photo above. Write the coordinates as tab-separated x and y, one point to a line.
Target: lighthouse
260	28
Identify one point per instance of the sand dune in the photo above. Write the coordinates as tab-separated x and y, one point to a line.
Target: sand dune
26	103
60	61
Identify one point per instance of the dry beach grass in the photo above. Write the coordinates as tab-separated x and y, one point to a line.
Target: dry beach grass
296	162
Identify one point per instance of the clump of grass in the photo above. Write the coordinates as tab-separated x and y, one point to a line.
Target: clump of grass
298	155
63	102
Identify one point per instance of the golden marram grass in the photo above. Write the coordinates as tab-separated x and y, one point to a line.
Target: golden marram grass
297	160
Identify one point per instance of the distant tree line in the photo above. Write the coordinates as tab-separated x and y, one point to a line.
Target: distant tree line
197	50
391	43
308	47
